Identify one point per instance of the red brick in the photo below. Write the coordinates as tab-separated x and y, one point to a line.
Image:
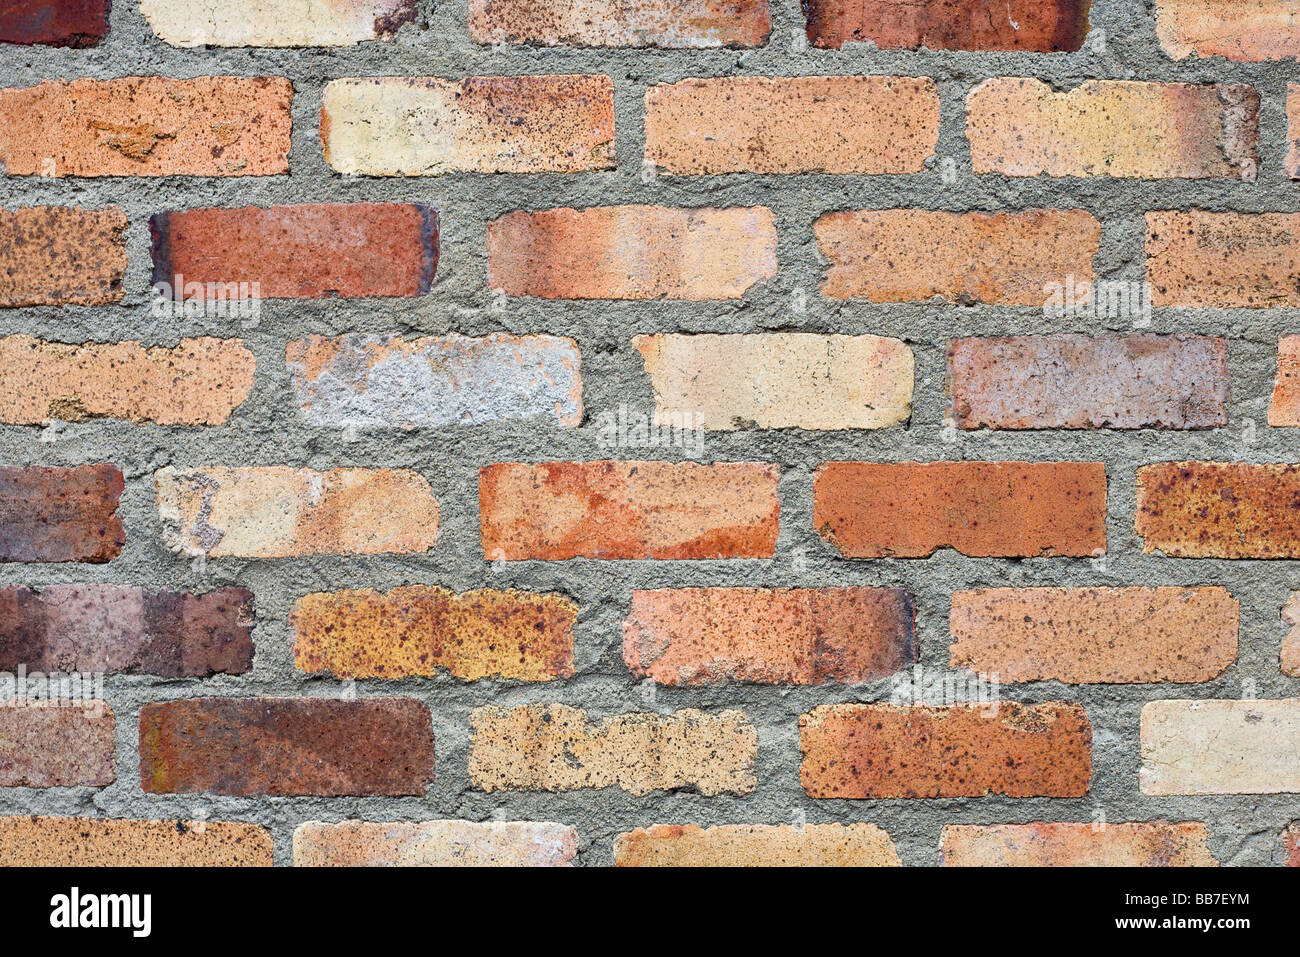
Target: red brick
147	126
1040	26
60	514
56	747
887	751
632	252
1284	410
1219	510
702	636
664	510
286	746
56	255
60	23
617	23
1081	382
999	509
1202	260
348	250
1291	845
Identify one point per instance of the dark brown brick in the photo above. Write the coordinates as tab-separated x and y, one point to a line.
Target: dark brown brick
58	23
60	514
1040	26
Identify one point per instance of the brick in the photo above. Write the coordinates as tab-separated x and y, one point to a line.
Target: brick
1293	130
1290	658
799	124
911	255
286	746
980	509
62	746
60	23
1202	260
783	380
1081	382
557	748
1285	408
372	382
1219	510
98	842
1020	126
59	255
621	23
1039	26
756	845
126	629
1291	845
434	844
425	126
318	251
1244	31
198	382
420	630
277	511
147	126
1095	635
1154	844
1220	747
251	23
632	252
888	751
703	636
60	514
634	510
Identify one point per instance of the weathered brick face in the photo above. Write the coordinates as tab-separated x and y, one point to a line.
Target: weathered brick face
60	23
1040	26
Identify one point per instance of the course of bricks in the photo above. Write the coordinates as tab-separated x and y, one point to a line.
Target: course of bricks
383	571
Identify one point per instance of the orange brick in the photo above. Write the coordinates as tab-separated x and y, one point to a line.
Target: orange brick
910	255
420	630
701	636
1290	656
1020	126
1291	845
801	124
632	252
147	126
1001	509
756	845
1203	260
559	510
1285	408
1219	510
57	255
887	751
96	842
1095	635
1249	30
1157	844
617	23
1293	130
1040	26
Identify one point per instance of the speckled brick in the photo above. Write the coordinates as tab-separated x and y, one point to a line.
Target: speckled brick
60	514
426	126
780	380
296	23
434	844
1095	635
1080	382
880	124
1285	407
100	842
756	845
1219	510
1020	126
1038	26
373	382
1290	656
277	511
632	252
1245	30
286	746
1220	747
558	748
197	382
126	629
1154	844
61	255
621	23
629	510
1291	845
887	751
147	126
1200	260
912	255
60	23
316	251
1293	130
422	630
1000	509
70	745
703	636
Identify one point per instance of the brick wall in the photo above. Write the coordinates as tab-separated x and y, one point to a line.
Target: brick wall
968	533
